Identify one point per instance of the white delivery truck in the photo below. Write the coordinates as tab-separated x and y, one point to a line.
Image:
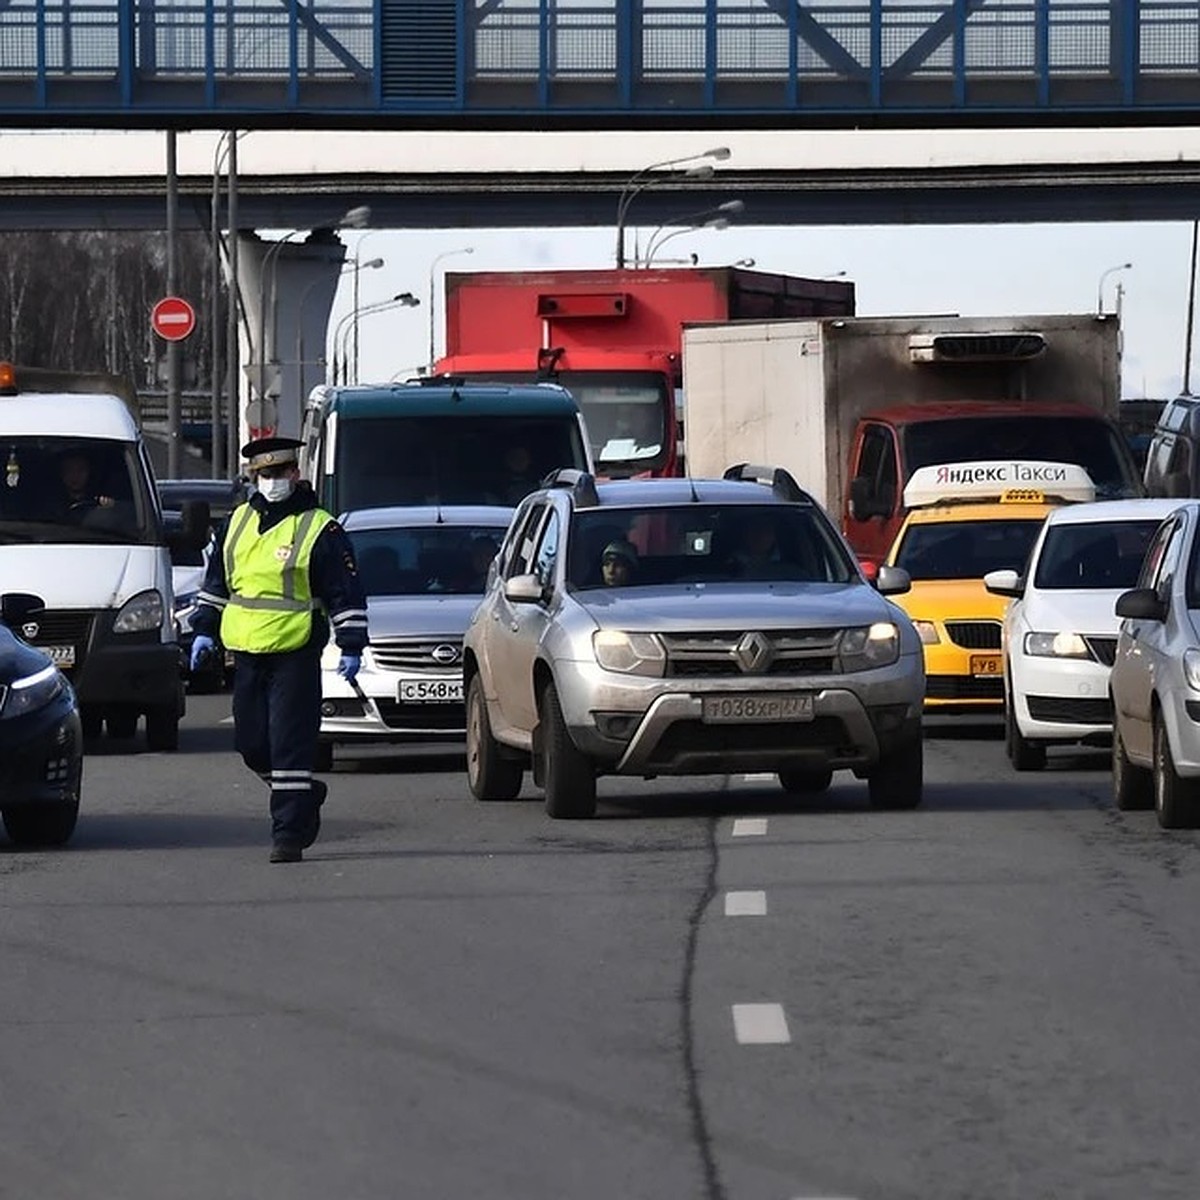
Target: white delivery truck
81	526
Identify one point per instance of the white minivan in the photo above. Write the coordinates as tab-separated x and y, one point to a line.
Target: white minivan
81	525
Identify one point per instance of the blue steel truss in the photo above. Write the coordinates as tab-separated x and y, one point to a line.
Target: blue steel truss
616	63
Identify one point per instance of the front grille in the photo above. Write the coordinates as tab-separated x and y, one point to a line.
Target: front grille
963	687
974	635
791	652
1102	649
61	627
1070	710
695	739
416	654
442	718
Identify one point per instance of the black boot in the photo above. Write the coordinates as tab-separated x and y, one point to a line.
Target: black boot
320	789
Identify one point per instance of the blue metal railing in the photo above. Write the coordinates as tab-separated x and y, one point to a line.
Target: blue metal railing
611	58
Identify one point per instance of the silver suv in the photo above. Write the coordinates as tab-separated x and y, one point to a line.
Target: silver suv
687	627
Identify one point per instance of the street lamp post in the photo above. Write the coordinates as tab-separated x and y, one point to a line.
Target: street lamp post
437	258
371	264
1100	286
342	331
645	177
709	218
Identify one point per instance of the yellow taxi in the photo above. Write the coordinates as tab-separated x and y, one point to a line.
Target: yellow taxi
964	520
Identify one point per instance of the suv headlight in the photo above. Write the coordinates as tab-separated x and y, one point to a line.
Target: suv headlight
629	653
32	692
140	612
875	645
1056	645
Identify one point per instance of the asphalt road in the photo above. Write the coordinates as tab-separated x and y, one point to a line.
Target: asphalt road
703	993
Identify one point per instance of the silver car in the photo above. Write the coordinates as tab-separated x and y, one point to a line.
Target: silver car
1155	678
680	627
424	571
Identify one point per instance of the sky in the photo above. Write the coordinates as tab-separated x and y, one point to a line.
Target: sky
974	270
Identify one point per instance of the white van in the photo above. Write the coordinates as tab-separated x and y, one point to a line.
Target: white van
80	525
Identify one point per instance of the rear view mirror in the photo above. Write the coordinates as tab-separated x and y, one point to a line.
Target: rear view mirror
1005	583
18	607
195	525
1141	604
891	581
523	589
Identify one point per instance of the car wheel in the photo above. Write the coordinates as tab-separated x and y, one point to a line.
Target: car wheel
162	728
490	775
121	724
569	775
1176	800
897	779
1133	786
323	757
1022	753
41	824
801	782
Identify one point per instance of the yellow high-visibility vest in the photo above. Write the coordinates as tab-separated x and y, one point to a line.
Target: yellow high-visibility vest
270	603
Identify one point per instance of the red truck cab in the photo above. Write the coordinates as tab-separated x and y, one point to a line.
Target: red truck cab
613	338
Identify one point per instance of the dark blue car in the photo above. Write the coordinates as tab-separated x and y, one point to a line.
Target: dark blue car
41	740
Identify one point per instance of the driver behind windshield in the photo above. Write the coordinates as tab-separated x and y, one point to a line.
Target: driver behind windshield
78	496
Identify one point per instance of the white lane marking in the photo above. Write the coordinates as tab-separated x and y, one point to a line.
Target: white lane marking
759	777
745	904
760	1025
750	827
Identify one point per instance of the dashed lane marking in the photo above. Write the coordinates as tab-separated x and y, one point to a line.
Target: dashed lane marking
759	777
745	904
760	1025
750	827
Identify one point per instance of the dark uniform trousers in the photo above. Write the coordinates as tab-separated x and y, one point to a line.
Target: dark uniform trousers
277	716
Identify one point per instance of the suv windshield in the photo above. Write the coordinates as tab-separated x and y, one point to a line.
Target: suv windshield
1093	444
58	489
1100	554
704	543
966	549
451	460
426	560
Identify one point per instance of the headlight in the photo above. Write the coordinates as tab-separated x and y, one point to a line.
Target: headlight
875	645
140	612
629	653
31	693
1191	669
1056	645
927	632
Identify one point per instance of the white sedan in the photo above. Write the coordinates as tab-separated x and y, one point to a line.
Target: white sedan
1060	629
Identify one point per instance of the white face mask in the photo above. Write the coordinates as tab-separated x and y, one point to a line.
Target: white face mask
275	490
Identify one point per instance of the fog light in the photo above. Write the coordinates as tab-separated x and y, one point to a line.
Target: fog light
328	708
615	725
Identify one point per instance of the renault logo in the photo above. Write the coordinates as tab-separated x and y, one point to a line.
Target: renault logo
753	652
30	629
444	654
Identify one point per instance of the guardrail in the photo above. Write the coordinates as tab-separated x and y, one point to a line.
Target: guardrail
613	60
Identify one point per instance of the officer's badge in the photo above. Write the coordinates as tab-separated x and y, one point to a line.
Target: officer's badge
283	553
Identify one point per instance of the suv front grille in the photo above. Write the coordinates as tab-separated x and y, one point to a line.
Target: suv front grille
418	654
784	652
974	635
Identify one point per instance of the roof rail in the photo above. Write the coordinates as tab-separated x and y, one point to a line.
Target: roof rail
781	482
581	483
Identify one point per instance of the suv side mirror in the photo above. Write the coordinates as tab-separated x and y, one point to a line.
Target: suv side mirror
1005	582
891	581
196	521
18	607
523	589
1141	604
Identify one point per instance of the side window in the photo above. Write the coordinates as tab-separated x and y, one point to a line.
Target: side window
1170	560
877	464
522	559
1155	552
1157	460
547	551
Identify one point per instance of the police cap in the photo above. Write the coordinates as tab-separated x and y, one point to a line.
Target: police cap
271	452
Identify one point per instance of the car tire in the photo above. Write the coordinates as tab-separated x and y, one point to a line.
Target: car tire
162	728
801	781
490	775
41	824
323	757
1133	786
897	780
121	725
1176	800
1022	753
569	775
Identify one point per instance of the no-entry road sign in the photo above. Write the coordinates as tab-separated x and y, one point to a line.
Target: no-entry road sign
173	318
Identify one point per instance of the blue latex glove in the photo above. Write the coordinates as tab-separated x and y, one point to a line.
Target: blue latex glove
348	666
202	645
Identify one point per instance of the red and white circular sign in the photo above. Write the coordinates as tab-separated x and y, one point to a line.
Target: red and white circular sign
173	318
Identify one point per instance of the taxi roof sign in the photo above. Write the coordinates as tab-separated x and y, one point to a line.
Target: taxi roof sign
1010	480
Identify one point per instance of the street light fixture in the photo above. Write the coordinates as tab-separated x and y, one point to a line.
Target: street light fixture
1100	286
372	264
708	218
346	325
437	258
645	178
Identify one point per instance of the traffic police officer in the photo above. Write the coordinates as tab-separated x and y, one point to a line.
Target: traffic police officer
283	573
